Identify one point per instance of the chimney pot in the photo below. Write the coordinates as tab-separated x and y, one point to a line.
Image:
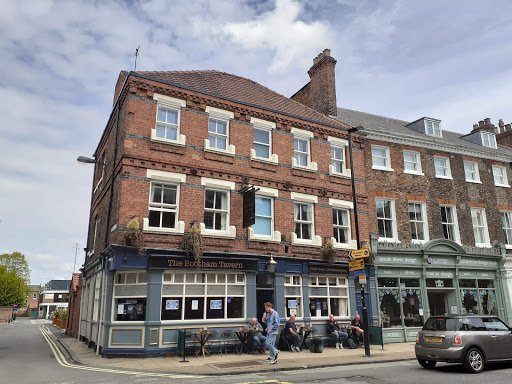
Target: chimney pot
507	127
327	52
487	120
475	126
481	123
501	123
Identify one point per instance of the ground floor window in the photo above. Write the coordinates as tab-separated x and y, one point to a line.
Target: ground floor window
478	296
130	309
196	296
328	295
400	299
130	291
293	295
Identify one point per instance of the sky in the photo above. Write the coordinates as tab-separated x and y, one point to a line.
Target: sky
449	60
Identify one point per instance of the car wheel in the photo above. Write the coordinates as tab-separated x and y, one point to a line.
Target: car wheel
474	361
427	364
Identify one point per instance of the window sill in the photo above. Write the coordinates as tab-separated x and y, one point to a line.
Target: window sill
474	181
352	244
274	159
483	245
508	246
383	169
119	322
388	240
419	241
230	233
502	185
179	141
228	152
275	238
180	228
414	173
444	177
311	167
316	241
346	174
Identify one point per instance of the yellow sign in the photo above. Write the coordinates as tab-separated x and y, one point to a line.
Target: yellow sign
355	265
362	279
358	254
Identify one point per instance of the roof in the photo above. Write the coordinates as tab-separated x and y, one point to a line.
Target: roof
59	285
239	89
395	127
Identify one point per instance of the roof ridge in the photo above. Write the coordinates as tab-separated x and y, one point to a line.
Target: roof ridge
373	114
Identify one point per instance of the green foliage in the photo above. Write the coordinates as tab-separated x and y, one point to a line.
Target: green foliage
328	252
14	279
133	224
133	237
192	242
61	314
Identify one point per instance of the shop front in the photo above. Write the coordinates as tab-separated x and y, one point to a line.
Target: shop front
416	281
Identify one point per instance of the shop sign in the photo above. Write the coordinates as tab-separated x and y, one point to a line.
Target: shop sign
387	272
439	274
489	275
402	260
440	261
327	269
467	274
478	262
211	263
410	273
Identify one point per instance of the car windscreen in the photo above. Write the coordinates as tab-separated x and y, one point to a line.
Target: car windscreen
441	324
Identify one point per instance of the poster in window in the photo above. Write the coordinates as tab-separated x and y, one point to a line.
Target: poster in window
195	305
293	311
140	309
318	306
324	305
292	303
120	309
215	304
171	305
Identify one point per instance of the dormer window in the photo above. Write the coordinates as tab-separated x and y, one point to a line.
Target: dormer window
488	139
432	128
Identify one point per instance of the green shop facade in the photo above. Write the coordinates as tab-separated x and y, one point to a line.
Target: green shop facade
440	277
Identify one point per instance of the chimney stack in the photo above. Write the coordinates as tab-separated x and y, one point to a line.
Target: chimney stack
320	92
485	125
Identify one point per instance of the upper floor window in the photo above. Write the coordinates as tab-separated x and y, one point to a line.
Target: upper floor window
432	128
216	210
303	214
218	131
168	115
506	221
262	141
412	163
449	223
488	139
442	167
480	227
302	150
500	176
338	165
163	205
341	224
386	218
381	158
471	171
418	221
264	223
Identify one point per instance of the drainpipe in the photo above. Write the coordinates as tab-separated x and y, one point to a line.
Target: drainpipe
101	312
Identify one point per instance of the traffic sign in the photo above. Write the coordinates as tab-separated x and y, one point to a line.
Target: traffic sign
355	265
359	272
359	253
362	279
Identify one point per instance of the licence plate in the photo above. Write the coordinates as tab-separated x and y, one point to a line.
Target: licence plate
434	339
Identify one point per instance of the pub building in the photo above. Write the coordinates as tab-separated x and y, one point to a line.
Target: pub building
179	154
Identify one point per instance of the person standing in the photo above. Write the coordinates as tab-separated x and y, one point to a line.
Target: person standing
338	336
257	337
271	320
292	334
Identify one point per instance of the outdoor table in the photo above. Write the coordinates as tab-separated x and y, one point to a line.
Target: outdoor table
243	336
202	337
306	331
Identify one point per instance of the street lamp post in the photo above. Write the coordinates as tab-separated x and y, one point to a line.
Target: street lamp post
356	222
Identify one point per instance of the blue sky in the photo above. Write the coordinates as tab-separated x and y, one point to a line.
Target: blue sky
60	61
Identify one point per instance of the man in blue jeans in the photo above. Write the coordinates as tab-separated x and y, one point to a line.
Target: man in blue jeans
271	319
256	335
334	330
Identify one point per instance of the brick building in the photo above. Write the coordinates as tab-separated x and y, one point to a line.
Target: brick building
179	150
53	296
75	297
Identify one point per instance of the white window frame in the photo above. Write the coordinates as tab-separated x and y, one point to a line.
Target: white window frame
341	282
96	225
173	104
417	163
454	224
140	281
348	206
268	193
507	231
488	139
162	207
436	131
310	200
424	222
168	178
394	238
483	226
386	158
293	281
446	166
301	134
96	308
342	145
219	186
240	279
269	127
220	115
103	165
502	175
474	172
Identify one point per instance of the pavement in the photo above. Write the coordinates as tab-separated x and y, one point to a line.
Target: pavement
217	364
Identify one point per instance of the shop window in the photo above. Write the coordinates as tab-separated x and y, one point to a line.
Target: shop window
439	283
328	295
130	309
478	296
400	298
293	295
130	291
411	306
194	296
389	303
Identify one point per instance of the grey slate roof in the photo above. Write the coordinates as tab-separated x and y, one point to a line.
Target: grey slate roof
397	128
59	285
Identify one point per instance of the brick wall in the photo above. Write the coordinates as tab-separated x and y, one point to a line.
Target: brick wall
75	296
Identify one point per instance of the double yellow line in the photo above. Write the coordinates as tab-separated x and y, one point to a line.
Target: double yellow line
59	356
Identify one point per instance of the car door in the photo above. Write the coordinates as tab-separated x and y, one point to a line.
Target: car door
501	339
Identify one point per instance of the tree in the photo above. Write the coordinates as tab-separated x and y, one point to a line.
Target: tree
14	279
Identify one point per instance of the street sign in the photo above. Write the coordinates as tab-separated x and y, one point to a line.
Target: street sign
362	279
15	307
356	265
359	253
359	272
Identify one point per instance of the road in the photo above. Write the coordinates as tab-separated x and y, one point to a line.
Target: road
28	356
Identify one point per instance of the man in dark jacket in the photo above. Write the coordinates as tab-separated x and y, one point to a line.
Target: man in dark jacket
334	330
292	334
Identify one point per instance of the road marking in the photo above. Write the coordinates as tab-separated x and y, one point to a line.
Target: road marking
61	359
266	382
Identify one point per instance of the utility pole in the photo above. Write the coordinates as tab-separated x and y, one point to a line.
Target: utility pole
76	251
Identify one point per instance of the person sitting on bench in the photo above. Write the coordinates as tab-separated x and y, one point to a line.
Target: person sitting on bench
292	335
335	332
357	328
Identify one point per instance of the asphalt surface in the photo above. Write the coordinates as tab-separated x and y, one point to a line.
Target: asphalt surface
30	354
